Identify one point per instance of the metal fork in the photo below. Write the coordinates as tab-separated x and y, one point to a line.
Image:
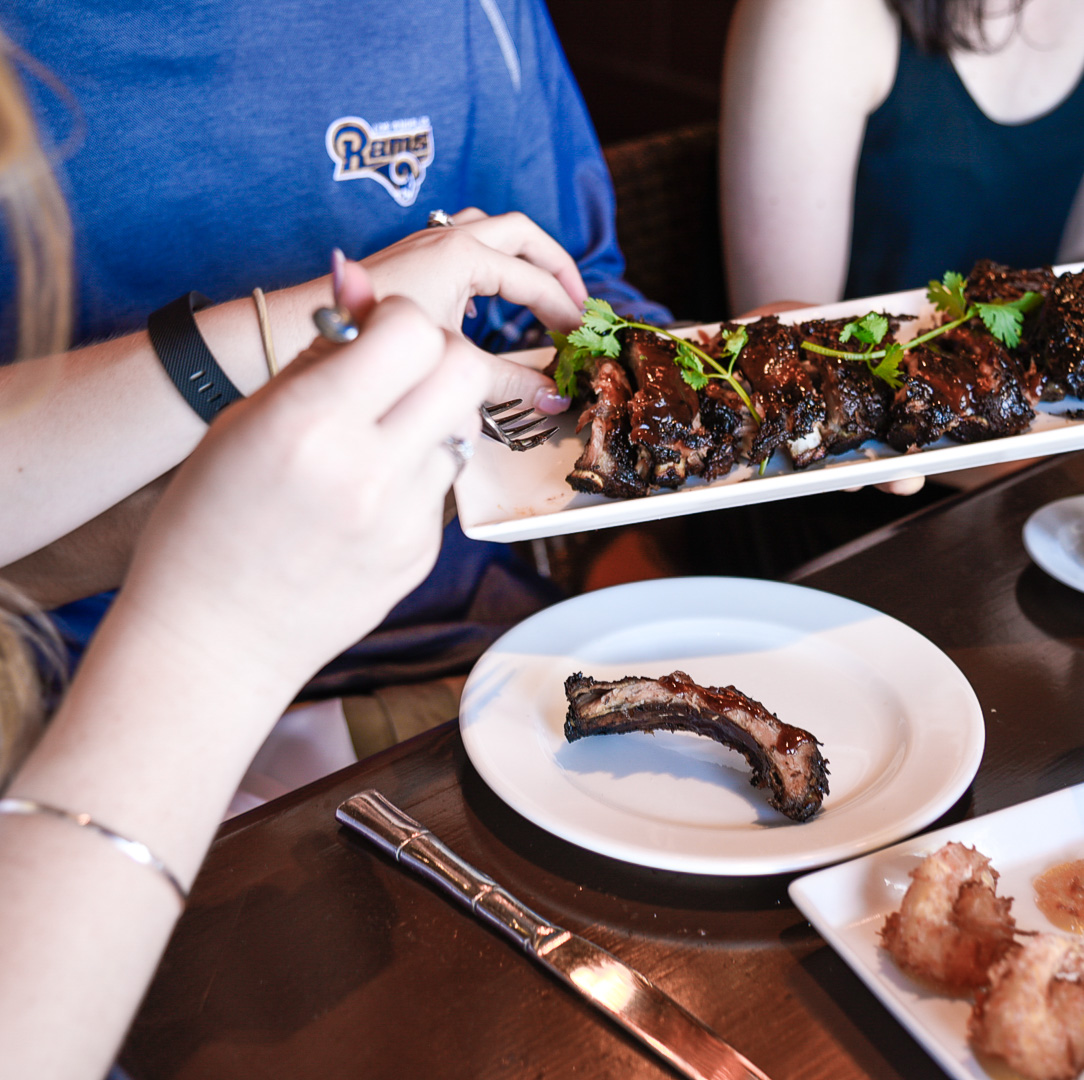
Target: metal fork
336	325
509	430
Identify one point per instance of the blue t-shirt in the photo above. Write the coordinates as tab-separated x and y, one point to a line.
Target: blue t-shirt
220	145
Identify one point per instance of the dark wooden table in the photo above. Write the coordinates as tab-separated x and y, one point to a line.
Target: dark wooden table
305	953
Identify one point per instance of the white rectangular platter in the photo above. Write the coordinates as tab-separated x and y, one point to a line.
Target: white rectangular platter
847	904
507	496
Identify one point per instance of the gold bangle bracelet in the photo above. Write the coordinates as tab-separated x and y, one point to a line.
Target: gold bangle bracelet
265	332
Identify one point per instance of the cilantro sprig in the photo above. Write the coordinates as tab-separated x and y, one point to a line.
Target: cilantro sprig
597	337
870	330
1004	319
947	295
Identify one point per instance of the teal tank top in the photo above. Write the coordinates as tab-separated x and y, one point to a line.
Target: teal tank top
940	185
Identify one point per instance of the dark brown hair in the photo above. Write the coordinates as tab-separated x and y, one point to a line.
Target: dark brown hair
940	25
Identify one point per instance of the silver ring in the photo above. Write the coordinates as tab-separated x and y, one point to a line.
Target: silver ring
462	450
438	219
335	324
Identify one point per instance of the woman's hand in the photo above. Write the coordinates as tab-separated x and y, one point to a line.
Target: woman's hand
441	269
313	506
307	511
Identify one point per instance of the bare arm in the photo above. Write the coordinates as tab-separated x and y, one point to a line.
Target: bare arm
85	430
90	559
197	659
800	78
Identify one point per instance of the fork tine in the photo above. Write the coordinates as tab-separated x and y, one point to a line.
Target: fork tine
506	422
502	429
533	441
514	432
494	409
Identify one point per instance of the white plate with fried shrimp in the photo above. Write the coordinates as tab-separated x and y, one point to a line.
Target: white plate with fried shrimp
850	904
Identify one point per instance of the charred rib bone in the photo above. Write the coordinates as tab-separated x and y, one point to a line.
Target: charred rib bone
610	464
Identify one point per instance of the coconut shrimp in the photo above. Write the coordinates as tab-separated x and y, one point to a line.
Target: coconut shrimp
951	925
1032	1013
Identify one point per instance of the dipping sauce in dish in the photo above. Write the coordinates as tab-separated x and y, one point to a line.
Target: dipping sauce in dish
1059	894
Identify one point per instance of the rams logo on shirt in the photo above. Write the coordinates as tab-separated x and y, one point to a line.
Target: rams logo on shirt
394	153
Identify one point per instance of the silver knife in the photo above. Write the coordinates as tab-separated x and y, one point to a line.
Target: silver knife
612	986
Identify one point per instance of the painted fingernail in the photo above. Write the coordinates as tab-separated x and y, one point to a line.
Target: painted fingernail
338	261
550	402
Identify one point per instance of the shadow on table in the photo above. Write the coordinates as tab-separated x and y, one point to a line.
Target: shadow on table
241	975
612	876
1057	612
1054	608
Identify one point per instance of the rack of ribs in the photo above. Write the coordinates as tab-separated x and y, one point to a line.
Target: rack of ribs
650	429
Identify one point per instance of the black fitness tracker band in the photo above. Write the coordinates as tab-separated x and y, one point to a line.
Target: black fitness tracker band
186	358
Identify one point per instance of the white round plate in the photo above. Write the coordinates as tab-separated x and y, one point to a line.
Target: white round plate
900	725
1054	538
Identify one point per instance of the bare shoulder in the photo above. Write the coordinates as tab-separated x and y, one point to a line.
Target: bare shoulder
800	78
780	40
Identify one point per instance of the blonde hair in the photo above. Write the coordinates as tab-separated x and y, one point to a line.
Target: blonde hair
41	243
29	645
37	220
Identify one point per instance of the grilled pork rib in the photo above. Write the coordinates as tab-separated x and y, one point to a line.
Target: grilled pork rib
789	405
990	281
783	758
610	464
1059	339
965	385
664	412
724	417
856	401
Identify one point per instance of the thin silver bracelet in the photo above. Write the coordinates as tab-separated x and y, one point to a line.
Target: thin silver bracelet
136	851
